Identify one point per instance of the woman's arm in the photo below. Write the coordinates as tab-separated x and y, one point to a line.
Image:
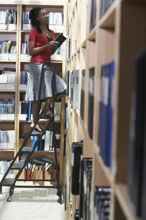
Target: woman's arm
36	50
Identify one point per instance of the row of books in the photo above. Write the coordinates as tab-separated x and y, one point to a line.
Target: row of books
7	107
102	201
55	21
106	104
137	153
4	166
8	19
8	47
7	139
105	4
39	171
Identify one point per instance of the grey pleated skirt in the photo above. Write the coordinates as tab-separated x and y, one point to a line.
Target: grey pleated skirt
33	83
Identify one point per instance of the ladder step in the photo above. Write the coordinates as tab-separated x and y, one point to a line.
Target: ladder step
27	149
17	166
8	182
37	133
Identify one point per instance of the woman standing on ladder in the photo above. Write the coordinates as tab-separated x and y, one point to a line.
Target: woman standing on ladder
41	46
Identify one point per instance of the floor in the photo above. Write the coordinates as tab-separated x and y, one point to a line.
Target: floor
31	204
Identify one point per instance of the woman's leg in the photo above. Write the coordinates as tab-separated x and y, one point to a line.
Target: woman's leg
48	102
35	103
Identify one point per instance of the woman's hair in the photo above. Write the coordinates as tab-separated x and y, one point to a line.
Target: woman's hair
33	17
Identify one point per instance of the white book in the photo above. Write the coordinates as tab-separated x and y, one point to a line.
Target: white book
10	117
51	138
51	18
4	56
47	141
12	56
10	146
12	27
4	167
11	78
3	146
3	26
26	27
11	87
11	136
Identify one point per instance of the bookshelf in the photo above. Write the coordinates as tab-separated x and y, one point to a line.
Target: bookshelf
21	63
119	35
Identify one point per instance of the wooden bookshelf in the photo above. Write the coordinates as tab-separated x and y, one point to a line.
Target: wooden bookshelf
118	35
22	65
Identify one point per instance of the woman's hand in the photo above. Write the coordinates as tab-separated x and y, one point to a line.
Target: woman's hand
36	50
53	44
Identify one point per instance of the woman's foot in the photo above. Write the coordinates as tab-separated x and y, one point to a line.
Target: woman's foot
36	127
47	112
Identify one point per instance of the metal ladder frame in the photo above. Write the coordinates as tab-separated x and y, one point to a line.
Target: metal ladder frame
12	185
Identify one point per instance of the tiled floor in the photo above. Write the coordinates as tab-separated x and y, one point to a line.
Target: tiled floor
31	204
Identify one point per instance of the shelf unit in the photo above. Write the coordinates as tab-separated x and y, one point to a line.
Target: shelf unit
23	126
118	35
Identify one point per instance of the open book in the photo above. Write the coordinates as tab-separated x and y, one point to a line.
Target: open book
60	38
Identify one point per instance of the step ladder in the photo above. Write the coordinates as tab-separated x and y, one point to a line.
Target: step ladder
29	150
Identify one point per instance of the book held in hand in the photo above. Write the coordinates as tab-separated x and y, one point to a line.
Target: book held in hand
60	39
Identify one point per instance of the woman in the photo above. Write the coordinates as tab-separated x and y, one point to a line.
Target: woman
41	47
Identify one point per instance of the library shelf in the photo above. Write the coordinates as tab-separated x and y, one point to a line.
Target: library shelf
122	195
107	172
6	150
8	31
108	19
7	61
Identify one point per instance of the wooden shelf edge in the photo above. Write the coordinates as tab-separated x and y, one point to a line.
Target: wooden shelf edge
92	35
108	19
6	150
84	44
105	169
123	197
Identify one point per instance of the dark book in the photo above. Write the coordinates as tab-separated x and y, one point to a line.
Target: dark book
106	113
136	179
85	163
77	151
60	39
82	95
75	89
93	15
67	82
91	102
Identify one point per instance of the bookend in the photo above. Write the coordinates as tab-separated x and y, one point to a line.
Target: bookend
28	150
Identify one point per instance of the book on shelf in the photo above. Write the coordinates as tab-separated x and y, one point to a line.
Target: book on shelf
91	101
66	116
56	21
7	139
74	89
60	39
137	153
77	151
105	4
93	14
85	187
68	48
106	113
82	95
102	202
8	19
25	21
67	82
